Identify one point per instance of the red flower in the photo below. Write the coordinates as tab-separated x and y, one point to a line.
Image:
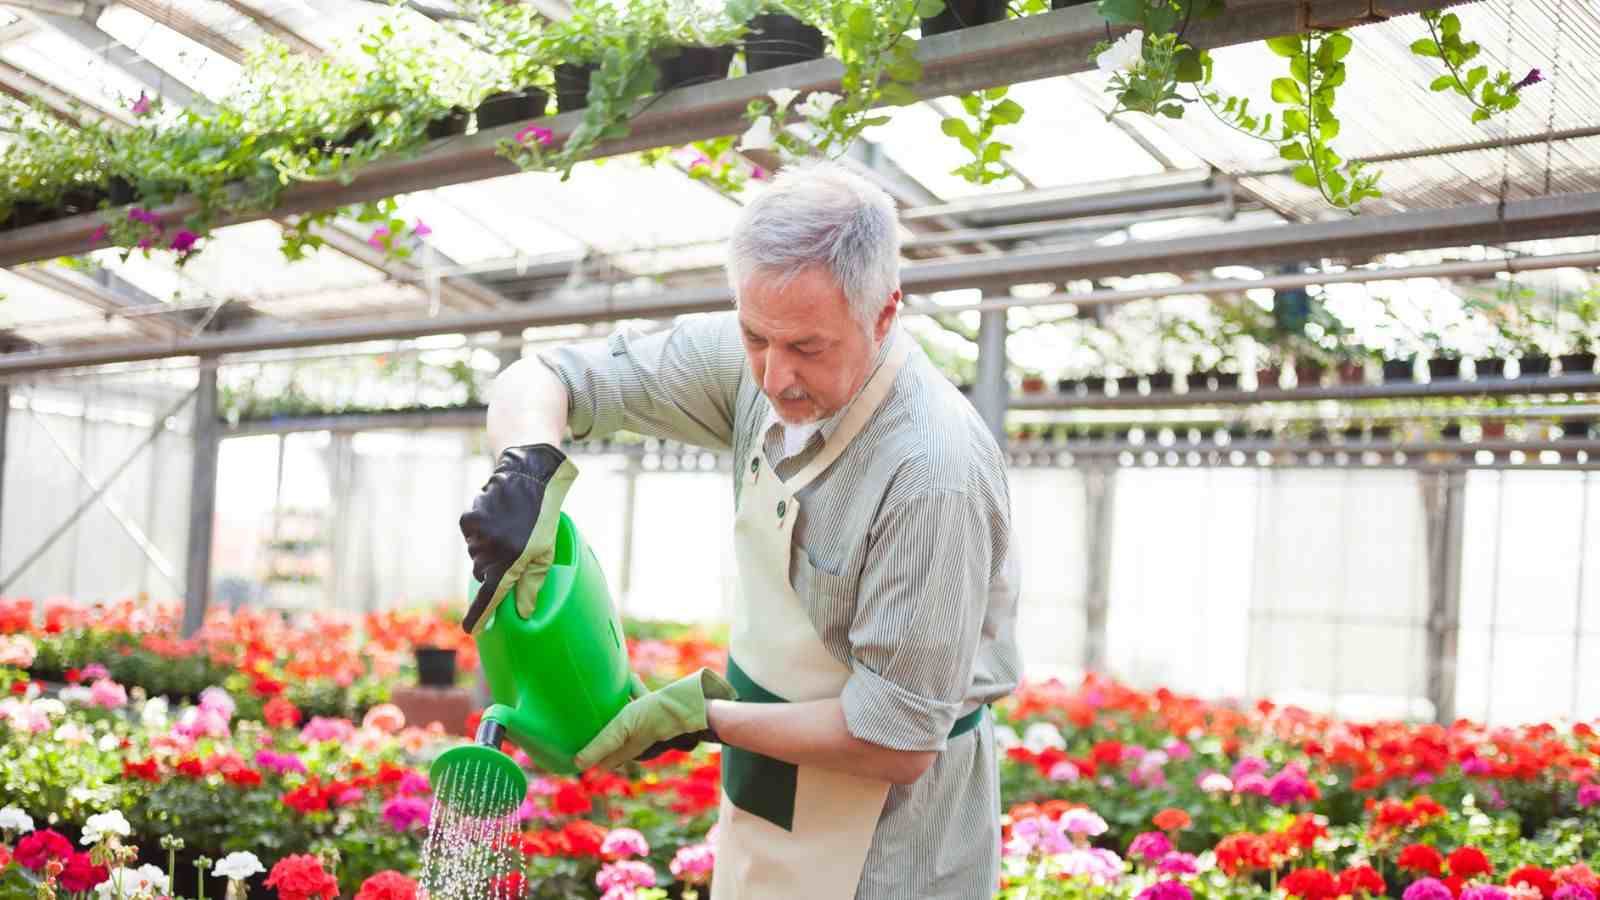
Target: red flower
572	800
511	885
5	857
1420	858
301	877
40	847
81	874
1310	884
307	798
1362	878
583	838
1238	852
266	687
19	687
74	676
247	778
1107	753
1534	877
387	885
191	767
1467	862
1171	819
146	770
280	713
1305	830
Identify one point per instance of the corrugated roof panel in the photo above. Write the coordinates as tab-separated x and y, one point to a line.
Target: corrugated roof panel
195	65
65	64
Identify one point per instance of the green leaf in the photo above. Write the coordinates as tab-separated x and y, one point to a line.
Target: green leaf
1476	76
896	94
1336	47
1334	79
1329	128
1295	121
1479	115
1300	68
1009	112
993	152
956	128
1287	90
927	9
1443	83
904	70
1425	47
1336	183
993	94
1171	110
1122	12
1306	176
1450	24
1293	152
1187	66
972	103
1288	45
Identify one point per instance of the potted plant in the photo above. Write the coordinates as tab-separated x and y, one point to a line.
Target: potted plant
1398	370
1580	361
777	39
1351	368
1533	365
1161	382
1382	434
1033	383
1308	371
1095	385
436	666
1494	429
1352	433
958	14
1488	368
1444	365
1127	385
1068	386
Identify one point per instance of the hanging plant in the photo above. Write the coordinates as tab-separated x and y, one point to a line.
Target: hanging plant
1149	63
989	110
1489	95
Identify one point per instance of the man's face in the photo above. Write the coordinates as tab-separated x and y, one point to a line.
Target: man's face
806	350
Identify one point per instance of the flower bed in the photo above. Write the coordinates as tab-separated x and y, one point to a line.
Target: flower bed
1110	792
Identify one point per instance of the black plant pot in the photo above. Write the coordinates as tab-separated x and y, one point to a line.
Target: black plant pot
1197	381
1127	384
960	14
81	201
1308	376
1236	433
1263	435
1489	368
1161	382
777	40
1451	432
1533	366
356	135
1096	385
1067	386
1382	433
1396	370
694	65
512	106
436	667
1227	381
25	213
450	124
1318	436
1351	435
572	85
119	191
1577	363
1442	368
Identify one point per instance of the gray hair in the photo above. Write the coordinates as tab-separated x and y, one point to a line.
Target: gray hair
821	214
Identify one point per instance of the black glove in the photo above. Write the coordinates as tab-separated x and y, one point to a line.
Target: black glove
511	527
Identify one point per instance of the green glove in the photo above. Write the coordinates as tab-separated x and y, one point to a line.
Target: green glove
658	717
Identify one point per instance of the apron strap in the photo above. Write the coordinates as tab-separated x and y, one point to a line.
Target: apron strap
867	403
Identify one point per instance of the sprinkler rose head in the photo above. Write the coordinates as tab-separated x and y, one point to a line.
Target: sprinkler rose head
477	779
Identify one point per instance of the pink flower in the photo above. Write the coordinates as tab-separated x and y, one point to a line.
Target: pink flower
693	864
1252	784
218	701
544	136
184	240
413	783
385	717
1166	890
1151	846
421	229
1250	765
1472	765
628	874
1039	834
1177	750
379	235
698	161
321	729
1427	889
100	234
1178	864
1589	795
95	670
1289	786
142	105
1097	865
758	173
108	694
1483	892
1214	783
403	812
623	843
138	214
200	721
1082	821
282	763
1572	892
1064	771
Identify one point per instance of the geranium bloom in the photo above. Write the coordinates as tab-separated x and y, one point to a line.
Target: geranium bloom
14	819
280	713
693	864
282	763
109	823
321	729
1483	892
145	881
1427	889
1166	890
1467	862
1098	865
38	848
1150	846
543	136
301	877
184	240
1215	783
403	812
82	874
387	885
1178	864
1171	819
108	694
1589	795
1539	879
1082	821
238	865
627	874
385	717
1572	892
622	843
1362	878
1420	858
1310	884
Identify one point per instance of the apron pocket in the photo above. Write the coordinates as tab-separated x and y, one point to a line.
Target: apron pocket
757	784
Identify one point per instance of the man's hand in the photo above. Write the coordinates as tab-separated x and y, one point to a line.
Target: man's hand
670	718
511	527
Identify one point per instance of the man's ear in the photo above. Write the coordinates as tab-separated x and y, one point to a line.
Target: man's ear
880	328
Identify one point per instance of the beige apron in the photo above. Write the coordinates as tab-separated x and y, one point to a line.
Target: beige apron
786	830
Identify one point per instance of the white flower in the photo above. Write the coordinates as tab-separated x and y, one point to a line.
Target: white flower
108	743
96	829
1005	737
1123	55
759	135
783	97
48	706
12	708
76	693
14	819
817	104
1041	735
238	866
83	796
155	713
145	881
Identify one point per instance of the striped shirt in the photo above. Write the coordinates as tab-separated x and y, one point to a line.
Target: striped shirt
903	561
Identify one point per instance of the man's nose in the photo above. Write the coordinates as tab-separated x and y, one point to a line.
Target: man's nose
779	375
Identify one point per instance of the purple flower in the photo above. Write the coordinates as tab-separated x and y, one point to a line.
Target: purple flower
1572	892
413	783
379	235
1589	795
1533	77
1150	846
534	133
1178	864
282	763
142	105
403	812
758	173
1427	889
1289	786
184	240
1166	890
100	234
421	229
138	214
1250	765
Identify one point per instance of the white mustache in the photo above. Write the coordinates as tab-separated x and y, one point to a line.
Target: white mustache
794	393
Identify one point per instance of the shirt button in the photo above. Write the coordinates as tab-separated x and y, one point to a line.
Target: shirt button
781	507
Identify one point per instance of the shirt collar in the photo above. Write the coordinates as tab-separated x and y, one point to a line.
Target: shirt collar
831	423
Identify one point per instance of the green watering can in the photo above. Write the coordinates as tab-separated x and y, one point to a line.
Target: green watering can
556	677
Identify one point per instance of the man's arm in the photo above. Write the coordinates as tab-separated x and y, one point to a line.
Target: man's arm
527	405
812	734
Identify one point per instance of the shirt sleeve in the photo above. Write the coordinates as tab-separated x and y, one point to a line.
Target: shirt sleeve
680	383
919	618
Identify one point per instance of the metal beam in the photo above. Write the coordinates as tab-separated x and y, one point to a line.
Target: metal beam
83	290
1054	43
272	26
5	432
102	45
1489	387
991	389
462	293
202	499
59	7
188	26
1444	515
67	107
1099	506
1135	195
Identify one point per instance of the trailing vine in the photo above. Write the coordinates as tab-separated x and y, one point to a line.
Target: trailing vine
1489	95
989	110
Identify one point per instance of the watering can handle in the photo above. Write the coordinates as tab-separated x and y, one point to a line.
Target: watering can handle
511	526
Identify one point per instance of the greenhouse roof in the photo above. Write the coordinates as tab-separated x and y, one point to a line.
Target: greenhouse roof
1094	191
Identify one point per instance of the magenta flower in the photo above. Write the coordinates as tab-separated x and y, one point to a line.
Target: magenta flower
1289	786
1252	784
698	161
1427	889
544	136
1484	892
627	875
282	763
1533	77
1588	795
1166	890
108	694
184	240
1177	750
625	842
1572	892
403	812
379	235
1472	765
1150	846
421	229
693	864
100	234
413	783
95	671
1178	864
1250	765
141	105
136	214
758	173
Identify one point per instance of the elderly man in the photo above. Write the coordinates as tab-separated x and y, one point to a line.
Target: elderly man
877	583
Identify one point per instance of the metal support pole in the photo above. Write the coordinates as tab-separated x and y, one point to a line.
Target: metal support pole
5	428
1099	492
202	498
991	392
1443	503
341	474
630	506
